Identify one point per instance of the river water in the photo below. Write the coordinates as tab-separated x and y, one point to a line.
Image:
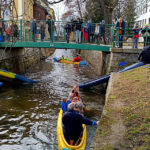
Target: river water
28	114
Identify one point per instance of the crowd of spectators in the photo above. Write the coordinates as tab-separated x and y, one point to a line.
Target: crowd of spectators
77	30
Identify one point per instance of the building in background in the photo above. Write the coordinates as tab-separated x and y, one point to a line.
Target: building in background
143	12
41	9
26	9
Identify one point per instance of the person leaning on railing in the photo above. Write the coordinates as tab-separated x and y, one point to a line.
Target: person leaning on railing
1	29
136	29
50	23
102	31
34	29
146	34
120	26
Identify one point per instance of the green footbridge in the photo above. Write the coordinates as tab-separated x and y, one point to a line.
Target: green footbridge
57	45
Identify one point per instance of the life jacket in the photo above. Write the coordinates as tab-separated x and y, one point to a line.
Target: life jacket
77	59
67	59
76	94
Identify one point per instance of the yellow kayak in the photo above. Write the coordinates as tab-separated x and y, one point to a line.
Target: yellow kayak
62	143
69	62
82	63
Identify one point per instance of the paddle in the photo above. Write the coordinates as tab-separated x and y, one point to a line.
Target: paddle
122	64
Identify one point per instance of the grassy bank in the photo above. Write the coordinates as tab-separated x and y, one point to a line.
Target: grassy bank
125	124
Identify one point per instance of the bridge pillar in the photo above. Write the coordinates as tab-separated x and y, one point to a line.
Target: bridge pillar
98	59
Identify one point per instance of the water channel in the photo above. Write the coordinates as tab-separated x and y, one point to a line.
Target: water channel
28	114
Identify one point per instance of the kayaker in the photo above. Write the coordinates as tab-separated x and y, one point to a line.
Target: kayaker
72	124
77	59
61	58
67	58
79	107
75	92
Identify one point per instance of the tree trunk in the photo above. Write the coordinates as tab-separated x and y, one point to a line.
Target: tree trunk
79	7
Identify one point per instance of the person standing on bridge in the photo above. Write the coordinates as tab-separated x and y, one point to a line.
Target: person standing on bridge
146	35
102	31
1	28
78	30
90	32
68	31
96	33
50	23
42	31
120	26
34	29
136	29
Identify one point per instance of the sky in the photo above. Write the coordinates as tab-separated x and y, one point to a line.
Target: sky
59	10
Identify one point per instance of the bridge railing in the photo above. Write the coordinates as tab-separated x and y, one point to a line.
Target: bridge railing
23	30
129	38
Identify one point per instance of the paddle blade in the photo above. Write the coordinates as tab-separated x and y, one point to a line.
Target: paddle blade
122	64
86	108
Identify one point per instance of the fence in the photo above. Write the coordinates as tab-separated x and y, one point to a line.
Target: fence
49	31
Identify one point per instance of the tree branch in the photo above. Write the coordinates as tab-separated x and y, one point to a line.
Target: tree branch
55	2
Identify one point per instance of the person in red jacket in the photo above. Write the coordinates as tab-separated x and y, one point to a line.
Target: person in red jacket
77	59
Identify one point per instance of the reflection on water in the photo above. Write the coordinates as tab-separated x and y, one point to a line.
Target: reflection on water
28	114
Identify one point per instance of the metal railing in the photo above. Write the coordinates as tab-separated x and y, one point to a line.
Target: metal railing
54	31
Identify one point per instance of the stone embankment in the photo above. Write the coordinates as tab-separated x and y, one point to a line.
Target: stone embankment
19	59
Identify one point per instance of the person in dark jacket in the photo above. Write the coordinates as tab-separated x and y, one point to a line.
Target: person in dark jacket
72	123
146	34
34	29
102	31
120	26
90	32
68	31
78	27
50	23
136	29
144	56
42	31
1	28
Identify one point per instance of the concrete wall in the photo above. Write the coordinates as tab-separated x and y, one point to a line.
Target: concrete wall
130	56
104	63
99	60
19	59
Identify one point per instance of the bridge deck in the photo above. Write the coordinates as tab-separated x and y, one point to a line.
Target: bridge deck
59	45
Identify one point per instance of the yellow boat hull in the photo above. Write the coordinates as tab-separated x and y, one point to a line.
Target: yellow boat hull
7	74
62	143
69	62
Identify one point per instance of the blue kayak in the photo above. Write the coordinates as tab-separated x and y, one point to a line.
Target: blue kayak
105	78
9	76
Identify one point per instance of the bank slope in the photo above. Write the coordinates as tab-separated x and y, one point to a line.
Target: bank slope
125	123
